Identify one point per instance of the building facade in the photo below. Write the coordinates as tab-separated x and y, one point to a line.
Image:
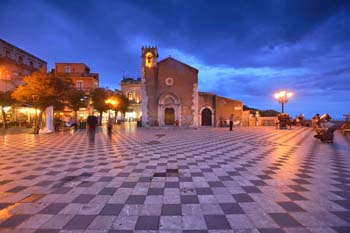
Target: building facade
169	95
169	91
79	73
131	88
82	80
15	64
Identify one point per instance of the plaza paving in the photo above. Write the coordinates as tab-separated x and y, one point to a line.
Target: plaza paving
175	180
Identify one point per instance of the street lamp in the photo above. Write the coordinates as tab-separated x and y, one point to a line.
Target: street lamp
113	103
85	103
283	97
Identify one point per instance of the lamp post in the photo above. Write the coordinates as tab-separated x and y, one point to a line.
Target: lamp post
283	97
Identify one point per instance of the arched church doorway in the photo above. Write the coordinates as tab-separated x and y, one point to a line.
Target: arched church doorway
206	117
169	116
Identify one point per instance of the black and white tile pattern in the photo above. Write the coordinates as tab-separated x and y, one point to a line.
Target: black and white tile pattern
175	180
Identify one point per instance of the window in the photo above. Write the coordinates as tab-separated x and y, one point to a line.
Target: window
169	81
31	64
8	54
130	96
67	69
20	59
149	58
80	85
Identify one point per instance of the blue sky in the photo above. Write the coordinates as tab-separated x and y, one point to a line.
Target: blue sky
245	50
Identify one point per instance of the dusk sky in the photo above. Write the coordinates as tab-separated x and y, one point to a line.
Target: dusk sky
244	50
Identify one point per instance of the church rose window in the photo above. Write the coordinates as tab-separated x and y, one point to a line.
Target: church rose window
169	81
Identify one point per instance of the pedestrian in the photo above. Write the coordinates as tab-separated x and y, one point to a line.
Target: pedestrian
316	122
231	122
57	124
110	128
92	124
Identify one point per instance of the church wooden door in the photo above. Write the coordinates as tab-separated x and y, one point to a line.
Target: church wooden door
206	117
169	116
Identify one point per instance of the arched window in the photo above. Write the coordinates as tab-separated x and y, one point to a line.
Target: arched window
130	96
149	58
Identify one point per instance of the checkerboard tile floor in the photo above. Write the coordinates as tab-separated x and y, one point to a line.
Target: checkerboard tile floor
175	180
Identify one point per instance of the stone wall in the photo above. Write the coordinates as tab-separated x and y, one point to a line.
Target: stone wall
267	121
245	118
225	107
150	97
250	120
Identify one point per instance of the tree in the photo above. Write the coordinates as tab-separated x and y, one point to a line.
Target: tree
118	102
99	97
123	104
41	90
76	100
5	101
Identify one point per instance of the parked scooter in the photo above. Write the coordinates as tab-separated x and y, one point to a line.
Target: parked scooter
325	129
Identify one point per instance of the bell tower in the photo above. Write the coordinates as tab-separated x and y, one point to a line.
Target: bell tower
149	84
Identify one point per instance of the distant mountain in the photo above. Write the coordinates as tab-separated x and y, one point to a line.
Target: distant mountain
264	113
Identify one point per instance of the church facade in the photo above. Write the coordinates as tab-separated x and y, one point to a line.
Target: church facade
170	97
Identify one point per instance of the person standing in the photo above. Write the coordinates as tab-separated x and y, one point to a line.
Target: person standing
57	122
92	122
231	122
326	132
316	122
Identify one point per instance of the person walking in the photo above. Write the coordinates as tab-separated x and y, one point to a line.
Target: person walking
231	122
110	128
92	122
